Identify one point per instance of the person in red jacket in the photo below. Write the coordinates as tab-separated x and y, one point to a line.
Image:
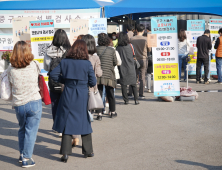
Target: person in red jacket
218	46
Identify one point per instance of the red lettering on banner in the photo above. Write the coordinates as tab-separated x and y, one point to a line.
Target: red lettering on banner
164	25
166	71
44	23
165	54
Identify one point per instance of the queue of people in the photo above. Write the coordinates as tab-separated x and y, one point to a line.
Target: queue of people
75	70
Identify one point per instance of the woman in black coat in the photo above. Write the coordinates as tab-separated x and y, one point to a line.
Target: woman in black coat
76	72
127	69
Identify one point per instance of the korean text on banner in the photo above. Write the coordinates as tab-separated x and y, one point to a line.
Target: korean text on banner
97	26
6	42
214	26
78	27
61	17
195	28
42	33
21	29
165	57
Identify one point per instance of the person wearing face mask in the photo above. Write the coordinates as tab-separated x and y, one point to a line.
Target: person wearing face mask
115	40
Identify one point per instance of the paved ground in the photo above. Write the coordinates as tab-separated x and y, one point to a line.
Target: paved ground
151	136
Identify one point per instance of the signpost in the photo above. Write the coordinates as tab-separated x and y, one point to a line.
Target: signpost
165	57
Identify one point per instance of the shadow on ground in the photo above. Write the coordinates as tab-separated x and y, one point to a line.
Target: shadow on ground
209	167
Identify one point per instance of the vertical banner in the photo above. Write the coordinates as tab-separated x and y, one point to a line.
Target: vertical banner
195	28
97	26
214	26
165	57
42	33
78	27
21	29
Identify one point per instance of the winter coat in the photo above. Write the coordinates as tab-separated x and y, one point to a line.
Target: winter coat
127	69
95	61
72	114
107	56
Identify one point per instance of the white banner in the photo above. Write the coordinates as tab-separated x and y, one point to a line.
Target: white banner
97	26
214	26
61	17
195	28
42	33
165	57
6	42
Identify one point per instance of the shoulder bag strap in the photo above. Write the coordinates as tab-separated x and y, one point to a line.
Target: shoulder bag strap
132	49
103	52
37	66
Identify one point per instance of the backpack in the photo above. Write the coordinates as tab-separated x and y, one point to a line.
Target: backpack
55	86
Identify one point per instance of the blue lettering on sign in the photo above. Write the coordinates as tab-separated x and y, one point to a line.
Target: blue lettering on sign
194	38
165	43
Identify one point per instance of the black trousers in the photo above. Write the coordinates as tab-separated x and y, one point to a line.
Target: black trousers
124	92
54	102
141	72
110	96
66	144
205	62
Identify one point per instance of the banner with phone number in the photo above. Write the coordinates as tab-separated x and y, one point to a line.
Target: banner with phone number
41	33
165	57
214	26
195	28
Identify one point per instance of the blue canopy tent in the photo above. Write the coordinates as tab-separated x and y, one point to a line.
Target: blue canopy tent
142	8
48	5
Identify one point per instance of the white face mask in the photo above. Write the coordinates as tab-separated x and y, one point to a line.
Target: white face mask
114	37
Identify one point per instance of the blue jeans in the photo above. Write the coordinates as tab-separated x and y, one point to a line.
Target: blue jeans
208	76
218	65
28	116
182	60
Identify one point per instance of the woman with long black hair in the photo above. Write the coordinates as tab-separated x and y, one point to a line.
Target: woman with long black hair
54	55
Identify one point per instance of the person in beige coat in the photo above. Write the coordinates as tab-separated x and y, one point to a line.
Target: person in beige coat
93	58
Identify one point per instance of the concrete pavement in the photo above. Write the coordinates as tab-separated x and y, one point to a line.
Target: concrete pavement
150	136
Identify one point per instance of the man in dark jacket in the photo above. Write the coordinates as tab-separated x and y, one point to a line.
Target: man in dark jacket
203	46
141	47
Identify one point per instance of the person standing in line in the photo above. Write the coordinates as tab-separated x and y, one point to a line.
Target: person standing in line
218	46
54	55
119	62
72	118
140	44
26	100
108	61
203	46
115	39
75	140
127	69
183	51
129	31
93	57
